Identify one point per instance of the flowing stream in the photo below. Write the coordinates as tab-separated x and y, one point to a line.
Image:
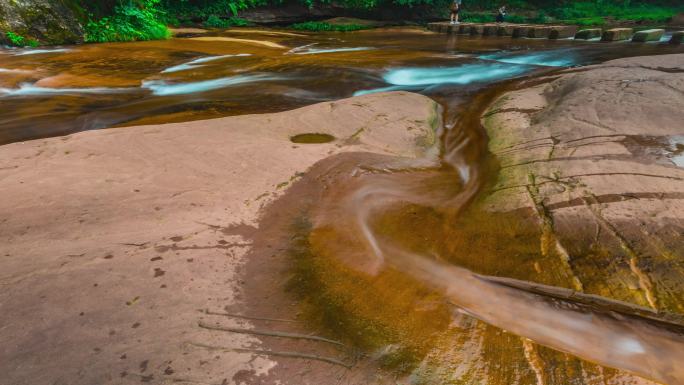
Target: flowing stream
58	91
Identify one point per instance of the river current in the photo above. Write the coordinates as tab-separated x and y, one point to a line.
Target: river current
56	91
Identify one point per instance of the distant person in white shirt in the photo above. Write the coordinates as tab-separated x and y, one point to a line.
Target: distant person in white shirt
455	9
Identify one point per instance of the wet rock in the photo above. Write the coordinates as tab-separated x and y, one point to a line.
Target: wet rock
476	29
677	37
562	31
617	34
259	158
453	29
677	20
600	174
538	32
521	31
463	28
648	35
490	30
49	22
590	33
505	30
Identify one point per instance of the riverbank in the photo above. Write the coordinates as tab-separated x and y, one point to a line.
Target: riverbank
41	22
113	240
585	200
596	154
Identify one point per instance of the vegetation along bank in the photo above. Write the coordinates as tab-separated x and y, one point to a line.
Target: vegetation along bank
40	22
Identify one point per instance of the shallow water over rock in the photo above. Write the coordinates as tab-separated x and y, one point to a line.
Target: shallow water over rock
312	138
47	92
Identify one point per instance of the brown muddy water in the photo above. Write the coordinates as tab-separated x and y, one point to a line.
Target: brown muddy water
61	90
403	262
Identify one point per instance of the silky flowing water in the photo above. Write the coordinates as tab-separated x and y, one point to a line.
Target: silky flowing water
412	259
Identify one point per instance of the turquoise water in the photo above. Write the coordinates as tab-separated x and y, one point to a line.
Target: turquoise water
193	64
28	89
54	91
307	50
554	58
493	67
164	88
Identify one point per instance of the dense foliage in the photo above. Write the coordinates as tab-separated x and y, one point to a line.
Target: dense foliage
126	20
577	12
319	26
203	9
141	20
214	21
593	12
20	41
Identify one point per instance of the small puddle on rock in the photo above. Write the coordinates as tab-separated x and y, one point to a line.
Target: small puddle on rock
312	138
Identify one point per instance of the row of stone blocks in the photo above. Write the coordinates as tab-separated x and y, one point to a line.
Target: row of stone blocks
552	32
621	34
513	30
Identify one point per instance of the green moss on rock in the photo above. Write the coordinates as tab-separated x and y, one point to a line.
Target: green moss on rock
47	22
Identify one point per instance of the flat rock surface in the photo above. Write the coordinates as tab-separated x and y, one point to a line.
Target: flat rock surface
597	154
111	241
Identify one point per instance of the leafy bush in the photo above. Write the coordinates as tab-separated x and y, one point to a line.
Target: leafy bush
141	21
541	18
515	19
20	41
318	26
214	21
169	19
583	13
205	9
126	20
472	17
588	21
594	12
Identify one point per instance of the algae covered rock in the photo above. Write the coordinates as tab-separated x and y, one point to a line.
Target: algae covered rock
590	33
538	32
505	30
648	35
476	29
49	22
521	31
562	31
677	37
490	29
617	34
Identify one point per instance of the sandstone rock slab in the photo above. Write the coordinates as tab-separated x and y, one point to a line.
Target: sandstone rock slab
113	239
591	33
476	29
601	174
677	37
505	30
490	30
463	28
562	31
538	32
648	35
617	34
521	31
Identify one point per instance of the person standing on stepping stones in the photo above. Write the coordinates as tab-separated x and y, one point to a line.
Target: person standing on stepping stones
501	16
455	9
